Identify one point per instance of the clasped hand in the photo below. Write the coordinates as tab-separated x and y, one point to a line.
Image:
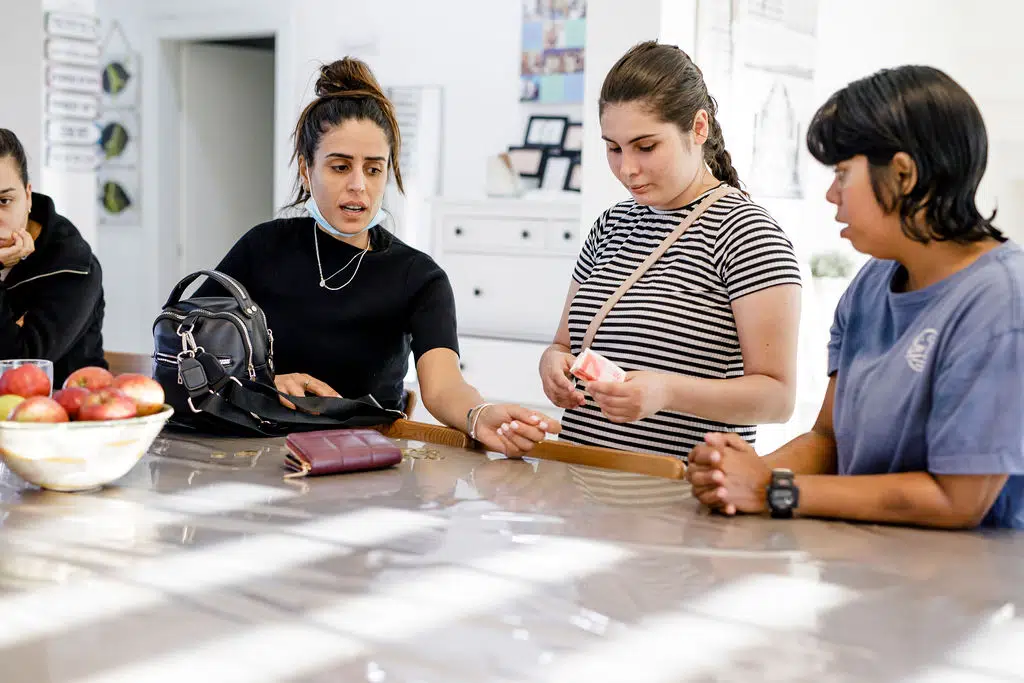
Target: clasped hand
727	475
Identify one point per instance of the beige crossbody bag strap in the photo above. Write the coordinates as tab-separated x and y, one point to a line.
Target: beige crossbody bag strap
588	338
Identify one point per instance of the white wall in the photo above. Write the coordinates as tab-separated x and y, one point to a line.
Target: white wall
457	44
21	107
129	254
21	39
468	47
227	157
977	43
612	28
73	193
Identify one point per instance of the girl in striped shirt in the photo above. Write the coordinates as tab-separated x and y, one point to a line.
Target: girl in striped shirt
708	334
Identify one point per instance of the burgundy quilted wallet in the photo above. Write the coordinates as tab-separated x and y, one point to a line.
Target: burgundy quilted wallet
334	451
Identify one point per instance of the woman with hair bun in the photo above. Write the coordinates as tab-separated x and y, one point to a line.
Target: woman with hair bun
347	299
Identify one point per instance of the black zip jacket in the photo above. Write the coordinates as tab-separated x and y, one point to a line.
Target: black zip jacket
57	294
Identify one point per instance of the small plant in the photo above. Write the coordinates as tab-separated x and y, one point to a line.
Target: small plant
831	264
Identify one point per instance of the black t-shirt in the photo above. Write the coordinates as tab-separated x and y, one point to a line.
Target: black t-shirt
356	339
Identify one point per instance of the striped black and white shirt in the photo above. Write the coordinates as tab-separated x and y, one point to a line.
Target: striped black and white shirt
677	317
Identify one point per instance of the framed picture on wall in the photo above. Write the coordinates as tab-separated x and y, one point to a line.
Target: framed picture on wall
556	171
527	161
573	177
546	131
573	141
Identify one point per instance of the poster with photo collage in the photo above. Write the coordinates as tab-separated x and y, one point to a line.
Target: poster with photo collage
554	35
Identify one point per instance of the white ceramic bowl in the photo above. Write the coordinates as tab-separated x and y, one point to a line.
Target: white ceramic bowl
78	456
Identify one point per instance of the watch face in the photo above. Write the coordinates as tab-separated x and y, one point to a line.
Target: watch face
782	498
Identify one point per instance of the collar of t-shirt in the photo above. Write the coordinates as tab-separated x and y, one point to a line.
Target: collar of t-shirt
690	204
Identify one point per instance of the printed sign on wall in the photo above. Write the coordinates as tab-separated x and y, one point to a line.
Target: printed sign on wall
72	86
78	26
72	79
72	158
71	105
76	52
72	132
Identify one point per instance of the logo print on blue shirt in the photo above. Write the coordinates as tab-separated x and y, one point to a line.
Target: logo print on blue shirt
919	349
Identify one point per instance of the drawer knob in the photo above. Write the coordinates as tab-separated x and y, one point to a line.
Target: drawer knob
567	235
458	231
477	291
526	234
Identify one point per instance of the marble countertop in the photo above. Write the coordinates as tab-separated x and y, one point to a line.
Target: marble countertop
204	564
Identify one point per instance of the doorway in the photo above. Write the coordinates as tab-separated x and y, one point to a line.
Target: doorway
227	145
216	148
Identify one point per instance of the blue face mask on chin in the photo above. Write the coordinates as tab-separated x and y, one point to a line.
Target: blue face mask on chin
314	211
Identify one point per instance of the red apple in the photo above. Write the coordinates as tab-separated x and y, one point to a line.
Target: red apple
25	380
91	378
145	391
107	404
71	399
39	409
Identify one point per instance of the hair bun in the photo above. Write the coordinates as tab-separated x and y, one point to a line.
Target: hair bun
347	75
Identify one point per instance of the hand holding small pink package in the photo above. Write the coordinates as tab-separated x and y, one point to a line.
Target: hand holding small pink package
591	366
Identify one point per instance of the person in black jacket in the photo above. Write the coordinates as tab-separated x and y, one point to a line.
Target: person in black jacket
51	284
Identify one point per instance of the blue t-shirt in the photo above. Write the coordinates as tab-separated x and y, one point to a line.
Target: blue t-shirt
933	380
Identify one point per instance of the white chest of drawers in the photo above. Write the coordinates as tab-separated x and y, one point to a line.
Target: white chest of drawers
510	262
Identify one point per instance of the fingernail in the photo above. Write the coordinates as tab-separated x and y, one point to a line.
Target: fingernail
514	425
534	418
543	425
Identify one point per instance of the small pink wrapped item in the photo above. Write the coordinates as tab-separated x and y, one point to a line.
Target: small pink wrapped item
591	366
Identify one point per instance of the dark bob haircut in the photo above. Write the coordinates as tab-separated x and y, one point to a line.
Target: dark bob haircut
923	112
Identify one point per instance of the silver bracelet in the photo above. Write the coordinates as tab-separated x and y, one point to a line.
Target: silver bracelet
479	409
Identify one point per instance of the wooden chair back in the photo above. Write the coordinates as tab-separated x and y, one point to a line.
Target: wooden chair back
122	362
652	464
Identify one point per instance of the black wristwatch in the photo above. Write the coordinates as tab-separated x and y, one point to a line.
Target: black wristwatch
782	494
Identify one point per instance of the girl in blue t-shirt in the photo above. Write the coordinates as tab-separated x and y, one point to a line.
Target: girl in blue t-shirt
923	419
